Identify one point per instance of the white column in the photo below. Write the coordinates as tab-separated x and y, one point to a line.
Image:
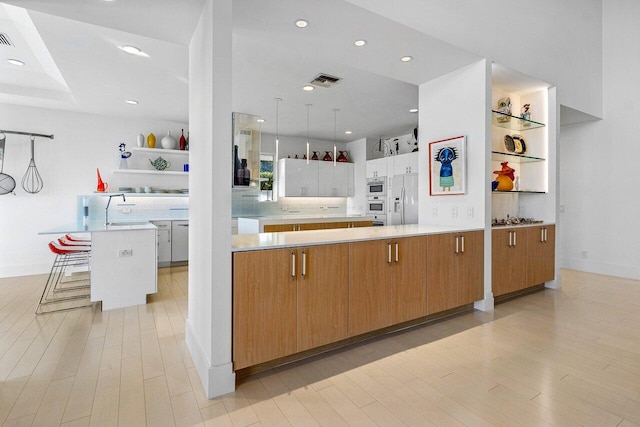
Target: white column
208	327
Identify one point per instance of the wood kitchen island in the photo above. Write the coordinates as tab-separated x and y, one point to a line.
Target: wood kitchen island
299	293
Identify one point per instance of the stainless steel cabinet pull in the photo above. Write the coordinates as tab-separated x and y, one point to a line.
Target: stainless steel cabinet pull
515	236
510	239
304	263
457	245
542	235
545	235
293	264
389	258
183	225
397	256
462	238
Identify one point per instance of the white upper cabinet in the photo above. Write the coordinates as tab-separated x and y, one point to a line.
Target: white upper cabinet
377	168
296	178
405	163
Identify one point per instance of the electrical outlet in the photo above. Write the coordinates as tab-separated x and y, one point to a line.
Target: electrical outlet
454	212
434	212
523	211
126	210
470	212
561	208
584	254
125	253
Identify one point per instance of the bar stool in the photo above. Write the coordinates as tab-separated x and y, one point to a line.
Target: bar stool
56	290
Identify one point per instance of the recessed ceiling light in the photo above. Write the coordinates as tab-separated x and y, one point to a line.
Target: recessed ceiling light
133	50
347	132
260	120
308	88
15	62
360	43
131	102
302	23
406	58
413	110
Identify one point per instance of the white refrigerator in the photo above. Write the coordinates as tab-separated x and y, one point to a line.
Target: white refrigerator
404	199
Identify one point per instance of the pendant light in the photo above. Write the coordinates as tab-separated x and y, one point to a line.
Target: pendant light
275	162
335	137
308	105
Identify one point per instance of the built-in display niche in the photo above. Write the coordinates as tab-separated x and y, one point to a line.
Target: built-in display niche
246	150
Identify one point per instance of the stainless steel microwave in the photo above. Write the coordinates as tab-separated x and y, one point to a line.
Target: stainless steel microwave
376	186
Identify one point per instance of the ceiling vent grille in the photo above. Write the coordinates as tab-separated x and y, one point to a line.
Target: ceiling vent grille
5	40
325	80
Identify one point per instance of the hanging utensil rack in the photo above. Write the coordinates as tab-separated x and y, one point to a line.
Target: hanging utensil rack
15	132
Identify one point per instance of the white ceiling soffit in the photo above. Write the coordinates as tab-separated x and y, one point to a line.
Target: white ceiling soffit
508	80
39	78
569	116
168	20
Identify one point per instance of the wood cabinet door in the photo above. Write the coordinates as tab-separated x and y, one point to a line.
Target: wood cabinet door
408	279
541	254
274	228
369	293
442	290
508	260
311	226
323	294
264	306
341	224
471	268
363	223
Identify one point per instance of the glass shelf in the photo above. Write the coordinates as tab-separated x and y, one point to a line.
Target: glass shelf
512	122
514	158
519	192
148	172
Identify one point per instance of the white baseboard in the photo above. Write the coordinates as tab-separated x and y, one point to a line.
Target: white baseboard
607	269
216	380
486	304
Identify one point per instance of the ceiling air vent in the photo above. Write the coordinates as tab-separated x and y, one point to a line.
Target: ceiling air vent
325	80
5	40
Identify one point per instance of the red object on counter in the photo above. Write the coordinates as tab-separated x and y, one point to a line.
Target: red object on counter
183	141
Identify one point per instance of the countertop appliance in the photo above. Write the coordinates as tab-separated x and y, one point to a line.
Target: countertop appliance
404	199
377	186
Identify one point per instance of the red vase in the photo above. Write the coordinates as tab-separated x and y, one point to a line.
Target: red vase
327	157
183	141
342	157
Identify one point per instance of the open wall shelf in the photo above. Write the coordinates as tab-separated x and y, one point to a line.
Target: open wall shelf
499	156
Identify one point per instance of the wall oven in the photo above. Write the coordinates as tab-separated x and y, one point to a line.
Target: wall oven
377	205
376	186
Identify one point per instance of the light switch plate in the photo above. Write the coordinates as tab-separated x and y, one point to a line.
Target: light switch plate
125	253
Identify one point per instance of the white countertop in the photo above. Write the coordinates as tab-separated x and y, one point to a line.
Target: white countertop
251	242
99	226
299	219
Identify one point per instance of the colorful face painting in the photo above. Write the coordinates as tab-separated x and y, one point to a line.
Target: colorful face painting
447	167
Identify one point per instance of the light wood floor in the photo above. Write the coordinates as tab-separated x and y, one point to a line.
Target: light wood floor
565	357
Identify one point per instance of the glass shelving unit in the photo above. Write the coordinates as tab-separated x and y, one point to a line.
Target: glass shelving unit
508	121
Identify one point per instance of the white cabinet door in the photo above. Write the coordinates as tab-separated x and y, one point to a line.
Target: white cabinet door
296	178
180	241
376	168
351	189
333	179
405	163
163	240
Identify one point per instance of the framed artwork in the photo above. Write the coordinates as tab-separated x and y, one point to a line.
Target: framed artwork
448	166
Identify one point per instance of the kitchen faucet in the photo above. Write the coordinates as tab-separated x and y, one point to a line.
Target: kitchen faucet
106	210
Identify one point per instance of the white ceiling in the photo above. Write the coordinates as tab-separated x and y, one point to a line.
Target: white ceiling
77	66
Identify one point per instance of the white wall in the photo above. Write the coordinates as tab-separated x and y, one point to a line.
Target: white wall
599	172
454	105
208	326
82	143
555	41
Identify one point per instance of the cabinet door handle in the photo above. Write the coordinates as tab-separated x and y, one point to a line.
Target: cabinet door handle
304	263
545	235
510	238
457	244
397	252
542	235
515	236
183	225
389	258
293	264
462	238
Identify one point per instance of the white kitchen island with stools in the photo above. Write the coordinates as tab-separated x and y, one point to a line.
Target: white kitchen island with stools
123	262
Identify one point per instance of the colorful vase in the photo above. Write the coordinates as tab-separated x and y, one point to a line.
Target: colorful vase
151	141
